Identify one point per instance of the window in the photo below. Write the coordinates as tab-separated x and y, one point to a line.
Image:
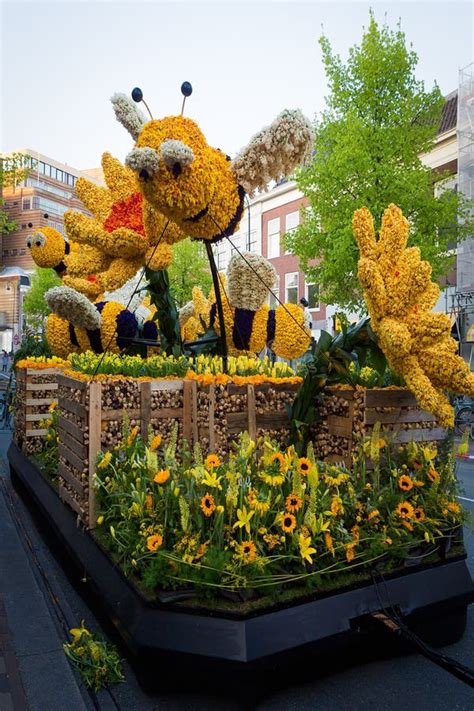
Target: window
14	252
23	227
59	175
49	206
273	231
26	204
272	301
312	296
5	252
291	287
251	241
292	220
22	252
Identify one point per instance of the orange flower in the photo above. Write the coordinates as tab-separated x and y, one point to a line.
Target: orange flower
288	523
373	514
418	483
212	460
454	507
304	465
155	442
405	482
154	542
350	555
404	510
433	476
407	525
208	505
162	476
336	506
280	458
329	542
247	551
132	436
419	514
293	503
149	502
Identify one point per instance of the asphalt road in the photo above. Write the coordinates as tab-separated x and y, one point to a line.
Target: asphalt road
400	682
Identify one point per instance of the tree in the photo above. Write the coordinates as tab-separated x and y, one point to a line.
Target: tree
13	169
35	307
189	268
378	121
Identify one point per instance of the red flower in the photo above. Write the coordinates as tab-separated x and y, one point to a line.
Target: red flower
92	277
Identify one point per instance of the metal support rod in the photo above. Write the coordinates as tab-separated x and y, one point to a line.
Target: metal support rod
220	311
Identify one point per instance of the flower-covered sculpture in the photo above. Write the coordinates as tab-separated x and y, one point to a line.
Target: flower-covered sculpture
250	324
198	187
400	296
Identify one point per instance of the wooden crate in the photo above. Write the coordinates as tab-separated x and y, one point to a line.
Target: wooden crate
91	419
36	390
349	415
224	411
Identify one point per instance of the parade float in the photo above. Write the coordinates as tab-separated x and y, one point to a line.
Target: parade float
229	513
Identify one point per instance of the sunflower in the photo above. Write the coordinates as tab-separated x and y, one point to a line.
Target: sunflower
304	465
247	551
154	542
155	442
212	461
454	507
288	523
208	505
261	507
280	458
433	476
293	503
405	510
405	482
419	514
162	476
272	480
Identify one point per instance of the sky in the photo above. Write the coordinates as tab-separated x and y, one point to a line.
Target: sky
61	61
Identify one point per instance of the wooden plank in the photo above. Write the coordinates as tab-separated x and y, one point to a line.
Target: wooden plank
382	397
237	422
66	496
95	406
68	476
398	415
251	413
36	433
32	401
195	412
212	407
421	435
112	415
75	446
71	457
340	426
37	416
340	392
42	371
41	386
234	389
76	408
145	409
157	385
273	420
187	410
73	383
71	428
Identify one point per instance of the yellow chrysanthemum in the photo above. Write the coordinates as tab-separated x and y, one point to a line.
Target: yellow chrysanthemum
154	542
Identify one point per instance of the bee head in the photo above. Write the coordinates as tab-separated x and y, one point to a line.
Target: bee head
47	247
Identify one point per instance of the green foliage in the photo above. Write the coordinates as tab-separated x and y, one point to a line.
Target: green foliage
34	305
379	119
13	170
32	344
166	312
49	455
96	660
190	268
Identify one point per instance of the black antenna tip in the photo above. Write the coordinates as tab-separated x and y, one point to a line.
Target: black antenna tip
137	94
186	88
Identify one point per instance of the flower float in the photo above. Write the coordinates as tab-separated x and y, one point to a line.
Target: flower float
199	187
400	297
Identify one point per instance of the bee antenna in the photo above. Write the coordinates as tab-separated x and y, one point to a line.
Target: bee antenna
186	90
137	96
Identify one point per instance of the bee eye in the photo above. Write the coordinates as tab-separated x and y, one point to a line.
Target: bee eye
143	161
29	242
39	239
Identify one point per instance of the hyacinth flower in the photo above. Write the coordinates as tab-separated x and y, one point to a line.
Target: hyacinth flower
400	297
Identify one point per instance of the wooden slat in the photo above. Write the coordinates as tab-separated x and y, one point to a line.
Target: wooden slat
233	388
71	428
422	435
273	420
157	385
251	414
340	426
195	412
76	408
71	457
145	408
36	433
37	416
41	386
212	407
31	401
95	400
398	415
75	446
187	410
68	476
237	422
66	496
42	371
112	415
340	392
68	382
382	397
167	412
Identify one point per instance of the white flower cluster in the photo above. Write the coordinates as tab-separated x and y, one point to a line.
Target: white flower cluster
176	152
249	280
74	307
127	292
185	313
128	114
274	152
143	159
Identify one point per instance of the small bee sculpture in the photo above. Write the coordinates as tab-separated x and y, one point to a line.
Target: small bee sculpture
199	187
250	324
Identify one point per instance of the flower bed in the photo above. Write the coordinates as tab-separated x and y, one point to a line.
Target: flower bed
348	415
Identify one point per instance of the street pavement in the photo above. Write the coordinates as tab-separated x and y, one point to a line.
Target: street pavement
40	604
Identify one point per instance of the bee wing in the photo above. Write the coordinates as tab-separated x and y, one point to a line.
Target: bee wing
128	114
74	307
274	152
